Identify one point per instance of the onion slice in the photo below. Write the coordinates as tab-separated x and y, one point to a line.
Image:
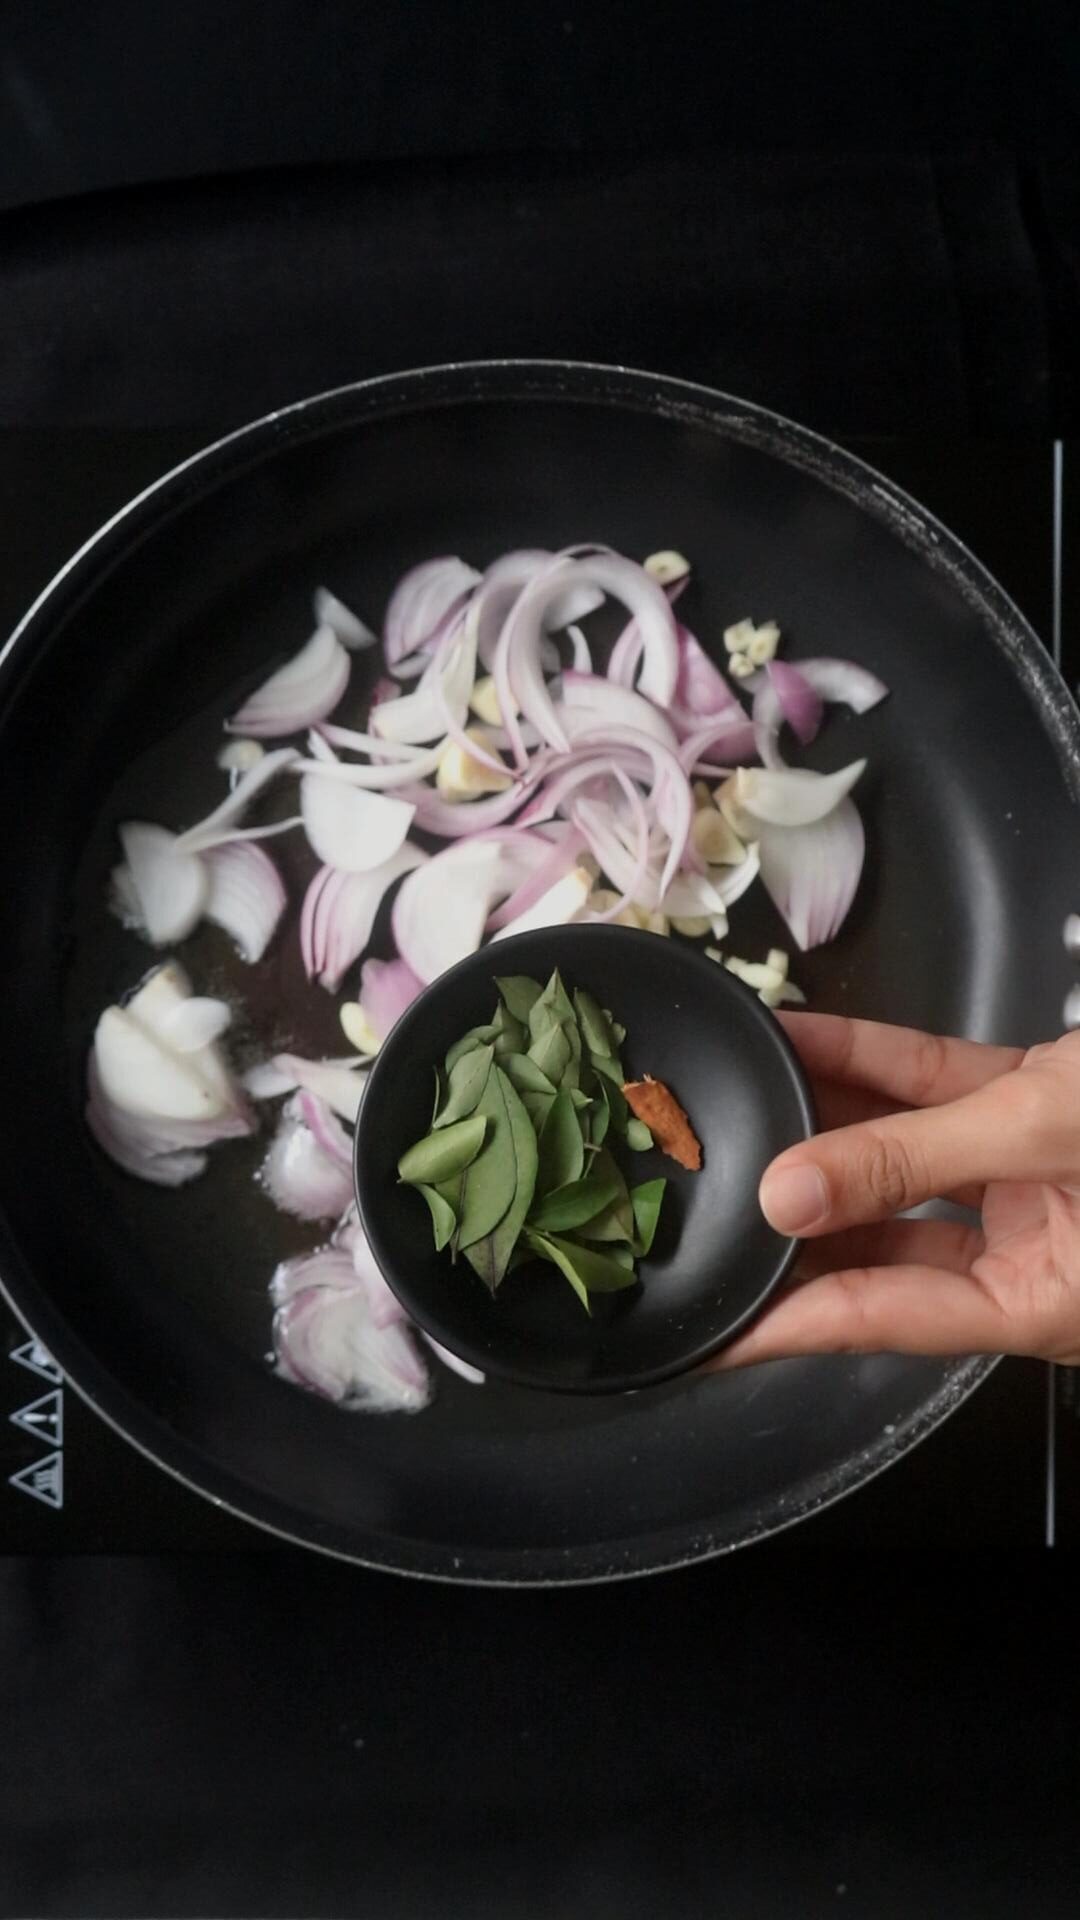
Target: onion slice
811	873
589	701
387	988
350	829
300	1177
791	797
338	1082
246	896
325	1338
339	913
171	886
221	825
306	689
421	602
441	910
333	613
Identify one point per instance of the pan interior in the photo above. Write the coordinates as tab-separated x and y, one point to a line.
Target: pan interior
156	1303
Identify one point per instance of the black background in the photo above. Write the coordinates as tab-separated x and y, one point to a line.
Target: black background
865	217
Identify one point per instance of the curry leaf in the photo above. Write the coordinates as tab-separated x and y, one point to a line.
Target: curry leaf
465	1085
552	1008
616	1220
511	1034
573	1205
587	1271
638	1136
551	1053
443	1217
490	1257
562	1150
525	1075
476	1037
519	994
439	1155
646	1200
594	1024
491	1181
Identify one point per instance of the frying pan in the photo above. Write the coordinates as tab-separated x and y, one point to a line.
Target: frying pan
112	692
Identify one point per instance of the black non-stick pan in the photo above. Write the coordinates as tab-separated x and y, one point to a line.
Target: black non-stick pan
112	693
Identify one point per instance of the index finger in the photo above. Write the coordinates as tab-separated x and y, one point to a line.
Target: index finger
914	1069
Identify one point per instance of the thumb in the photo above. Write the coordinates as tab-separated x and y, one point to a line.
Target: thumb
882	1167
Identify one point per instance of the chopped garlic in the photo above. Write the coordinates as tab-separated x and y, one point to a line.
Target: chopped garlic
769	980
239	756
484	702
694	927
602	899
715	840
763	646
703	798
738	637
358	1029
459	776
667	566
754	645
729	800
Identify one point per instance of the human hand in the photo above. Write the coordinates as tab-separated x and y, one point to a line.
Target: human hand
914	1118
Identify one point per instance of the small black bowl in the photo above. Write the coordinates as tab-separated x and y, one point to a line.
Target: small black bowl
715	1260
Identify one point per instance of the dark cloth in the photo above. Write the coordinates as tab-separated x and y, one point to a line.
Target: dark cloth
863	295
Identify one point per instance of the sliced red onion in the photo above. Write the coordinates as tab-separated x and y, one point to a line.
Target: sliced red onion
701	690
338	1082
461	1367
220	825
517	668
152	1107
196	1023
542	874
842	683
303	691
124	1146
793	796
299	1176
327	1267
171	886
327	1129
464	819
246	897
350	829
332	612
387	988
730	734
421	602
444	688
732	882
811	873
582	653
783	694
639	755
383	1304
441	909
339	913
325	1339
555	908
590	702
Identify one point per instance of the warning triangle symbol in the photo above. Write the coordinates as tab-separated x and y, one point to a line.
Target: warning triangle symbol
43	1418
33	1355
43	1480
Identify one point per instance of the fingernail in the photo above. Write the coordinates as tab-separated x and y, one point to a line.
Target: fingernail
794	1199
